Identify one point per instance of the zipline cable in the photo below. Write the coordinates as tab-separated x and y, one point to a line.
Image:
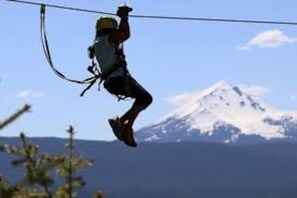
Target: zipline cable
160	17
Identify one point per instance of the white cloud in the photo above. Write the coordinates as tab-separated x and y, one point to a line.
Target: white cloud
254	90
183	98
29	94
269	39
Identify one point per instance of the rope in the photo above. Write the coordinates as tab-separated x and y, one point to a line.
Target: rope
91	81
162	17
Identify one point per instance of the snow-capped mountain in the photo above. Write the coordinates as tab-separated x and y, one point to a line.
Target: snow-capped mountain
222	113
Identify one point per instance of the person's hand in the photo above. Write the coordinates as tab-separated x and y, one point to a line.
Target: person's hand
123	11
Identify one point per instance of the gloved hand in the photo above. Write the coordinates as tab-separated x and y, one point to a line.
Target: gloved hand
123	11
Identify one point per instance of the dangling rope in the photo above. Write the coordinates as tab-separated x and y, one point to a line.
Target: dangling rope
92	69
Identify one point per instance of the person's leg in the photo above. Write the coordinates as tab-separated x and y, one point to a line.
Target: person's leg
129	117
127	121
130	88
142	100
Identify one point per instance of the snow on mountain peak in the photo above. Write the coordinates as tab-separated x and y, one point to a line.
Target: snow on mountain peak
224	105
221	97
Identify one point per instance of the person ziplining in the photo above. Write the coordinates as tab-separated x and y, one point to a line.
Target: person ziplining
109	53
107	49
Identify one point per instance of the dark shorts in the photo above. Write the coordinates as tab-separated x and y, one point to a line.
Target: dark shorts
129	87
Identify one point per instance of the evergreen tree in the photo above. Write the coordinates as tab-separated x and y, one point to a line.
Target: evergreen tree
37	182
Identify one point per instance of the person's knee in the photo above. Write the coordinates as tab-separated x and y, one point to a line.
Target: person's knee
147	100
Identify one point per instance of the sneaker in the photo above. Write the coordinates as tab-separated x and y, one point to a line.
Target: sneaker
128	136
116	125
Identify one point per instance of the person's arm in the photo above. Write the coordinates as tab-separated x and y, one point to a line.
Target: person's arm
121	34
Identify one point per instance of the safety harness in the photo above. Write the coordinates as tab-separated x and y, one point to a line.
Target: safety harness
92	68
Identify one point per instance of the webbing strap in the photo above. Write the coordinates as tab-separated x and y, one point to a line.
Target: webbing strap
91	80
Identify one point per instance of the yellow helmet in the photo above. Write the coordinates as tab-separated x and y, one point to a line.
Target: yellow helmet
106	22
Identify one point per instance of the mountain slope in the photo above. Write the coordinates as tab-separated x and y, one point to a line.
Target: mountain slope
222	113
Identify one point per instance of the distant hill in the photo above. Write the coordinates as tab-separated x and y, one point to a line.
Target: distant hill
188	169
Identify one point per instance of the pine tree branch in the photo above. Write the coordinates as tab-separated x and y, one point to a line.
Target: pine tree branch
16	115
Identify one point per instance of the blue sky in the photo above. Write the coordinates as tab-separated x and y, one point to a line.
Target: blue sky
168	57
